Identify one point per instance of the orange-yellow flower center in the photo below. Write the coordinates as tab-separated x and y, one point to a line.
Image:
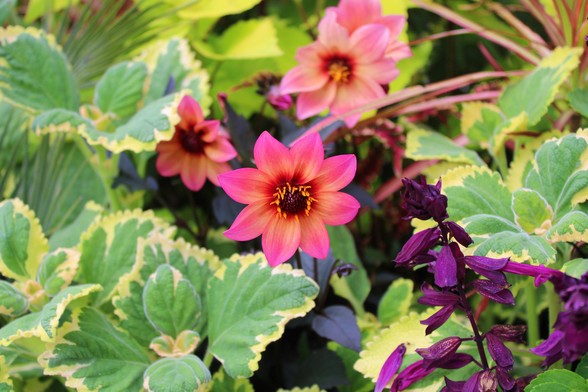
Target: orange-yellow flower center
292	200
339	70
191	141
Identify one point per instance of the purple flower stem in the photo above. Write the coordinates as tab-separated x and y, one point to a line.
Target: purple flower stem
477	337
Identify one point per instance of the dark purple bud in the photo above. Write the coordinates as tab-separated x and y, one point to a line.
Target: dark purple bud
390	367
456	361
344	269
439	351
278	100
551	349
488	381
446	268
423	201
409	376
510	333
418	244
499	352
438	319
506	381
541	273
459	233
433	297
453	386
495	292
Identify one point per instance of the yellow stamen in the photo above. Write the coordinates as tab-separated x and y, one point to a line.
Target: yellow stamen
339	71
292	200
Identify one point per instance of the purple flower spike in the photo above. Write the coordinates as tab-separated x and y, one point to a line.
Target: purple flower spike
409	376
423	201
488	267
472	384
551	348
495	292
446	268
438	319
439	351
453	386
418	244
510	333
459	233
390	367
456	361
499	352
433	297
541	273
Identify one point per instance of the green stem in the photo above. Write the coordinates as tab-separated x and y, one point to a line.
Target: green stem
532	315
208	359
553	303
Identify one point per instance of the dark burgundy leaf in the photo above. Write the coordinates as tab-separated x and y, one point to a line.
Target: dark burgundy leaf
338	323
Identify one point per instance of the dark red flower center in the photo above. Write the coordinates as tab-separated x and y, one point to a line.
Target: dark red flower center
339	69
292	200
192	141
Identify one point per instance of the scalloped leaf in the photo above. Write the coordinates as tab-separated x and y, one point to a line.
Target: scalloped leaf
60	120
13	302
479	120
171	303
34	72
176	374
223	383
531	210
109	247
5	381
120	90
519	247
22	243
196	265
396	301
422	144
249	304
533	93
411	332
572	227
44	324
57	270
215	8
171	63
69	236
91	353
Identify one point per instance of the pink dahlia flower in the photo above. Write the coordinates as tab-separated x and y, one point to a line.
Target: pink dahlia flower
353	14
341	70
199	149
291	195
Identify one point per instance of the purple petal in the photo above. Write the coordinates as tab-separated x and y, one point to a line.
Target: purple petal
441	349
456	361
510	333
418	244
499	352
438	319
485	263
409	376
446	268
506	381
459	233
433	297
472	384
390	367
539	272
495	292
453	386
551	349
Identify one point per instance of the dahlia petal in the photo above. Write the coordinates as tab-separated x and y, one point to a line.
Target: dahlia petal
194	172
251	222
303	78
273	158
336	173
280	239
355	13
214	169
311	103
398	51
394	24
308	156
209	130
331	34
309	55
369	43
190	112
314	237
246	185
169	163
221	150
336	208
355	94
382	71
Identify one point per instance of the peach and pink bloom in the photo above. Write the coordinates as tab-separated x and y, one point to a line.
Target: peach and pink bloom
199	149
291	195
344	69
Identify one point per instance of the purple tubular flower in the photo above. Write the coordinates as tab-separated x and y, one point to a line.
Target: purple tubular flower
390	367
459	233
446	268
495	292
409	376
439	351
438	319
423	201
541	273
510	333
433	297
488	267
551	349
499	352
472	384
418	244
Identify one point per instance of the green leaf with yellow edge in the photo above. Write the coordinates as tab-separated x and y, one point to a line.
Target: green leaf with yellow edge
171	303
38	8
213	8
150	125
109	247
396	301
187	374
532	213
13	302
422	144
356	286
409	331
519	247
196	265
221	382
5	381
560	380
533	93
22	242
61	120
43	324
69	236
91	354
479	120
120	90
57	270
572	227
250	39
357	382
34	72
172	63
576	268
249	304
579	100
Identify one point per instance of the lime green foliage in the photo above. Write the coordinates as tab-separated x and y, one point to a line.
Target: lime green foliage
558	380
176	374
120	90
34	72
422	144
5	381
13	303
37	8
69	236
396	301
410	66
249	304
579	100
214	8
526	223
576	267
221	382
